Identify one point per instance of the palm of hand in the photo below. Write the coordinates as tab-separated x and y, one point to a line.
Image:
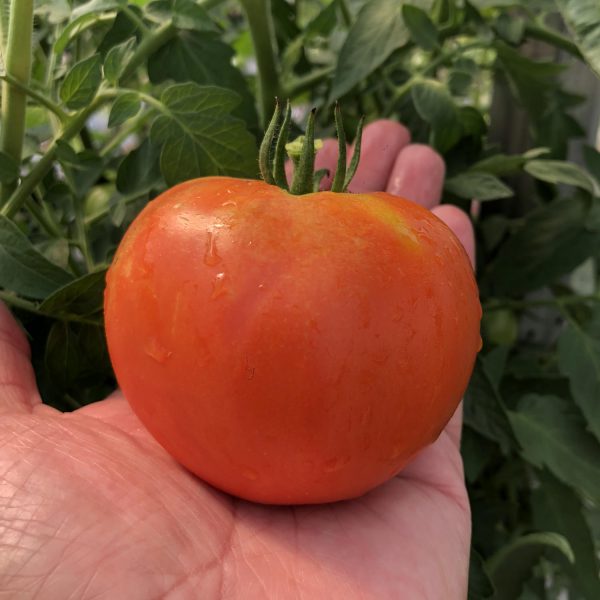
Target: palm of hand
91	506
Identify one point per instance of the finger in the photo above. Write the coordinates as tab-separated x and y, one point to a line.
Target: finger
418	175
460	224
18	390
381	142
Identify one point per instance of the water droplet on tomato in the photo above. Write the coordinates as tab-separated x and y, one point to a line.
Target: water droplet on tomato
229	203
261	286
219	286
155	350
250	474
211	256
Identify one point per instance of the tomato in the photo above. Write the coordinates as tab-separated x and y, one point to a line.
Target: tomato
291	349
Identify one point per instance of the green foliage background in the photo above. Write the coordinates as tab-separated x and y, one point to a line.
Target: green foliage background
128	97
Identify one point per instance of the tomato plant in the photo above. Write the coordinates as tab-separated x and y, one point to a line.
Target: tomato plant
291	348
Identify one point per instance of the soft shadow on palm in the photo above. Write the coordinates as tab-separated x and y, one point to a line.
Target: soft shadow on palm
93	507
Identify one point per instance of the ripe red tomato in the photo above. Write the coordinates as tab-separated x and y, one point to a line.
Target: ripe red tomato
291	349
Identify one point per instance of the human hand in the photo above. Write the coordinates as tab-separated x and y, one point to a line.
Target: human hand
92	506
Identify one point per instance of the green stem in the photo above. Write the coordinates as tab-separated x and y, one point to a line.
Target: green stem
72	127
346	14
501	304
299	85
260	21
42	99
14	100
34	308
134	18
148	46
132	127
544	34
38	214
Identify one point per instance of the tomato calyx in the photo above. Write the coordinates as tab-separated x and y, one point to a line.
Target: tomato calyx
301	151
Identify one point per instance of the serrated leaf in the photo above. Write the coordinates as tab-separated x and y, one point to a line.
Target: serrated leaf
583	19
82	297
199	135
557	508
551	242
434	103
117	58
377	31
139	171
511	567
552	434
125	106
558	171
484	409
9	168
185	14
477	185
421	27
203	58
82	83
23	269
579	360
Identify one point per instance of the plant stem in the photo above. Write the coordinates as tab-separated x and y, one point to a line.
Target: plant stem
35	211
32	307
544	34
152	42
42	99
260	21
501	304
72	127
346	14
133	17
14	100
299	85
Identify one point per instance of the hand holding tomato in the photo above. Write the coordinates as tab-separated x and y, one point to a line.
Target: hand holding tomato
92	505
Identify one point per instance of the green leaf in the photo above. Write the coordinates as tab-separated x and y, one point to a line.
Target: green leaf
480	585
72	30
579	360
530	80
82	297
139	172
434	103
459	82
583	19
125	106
97	6
507	164
9	168
552	434
484	409
203	58
116	59
511	567
23	269
82	83
552	241
421	27
558	171
476	185
199	135
377	31
557	508
185	14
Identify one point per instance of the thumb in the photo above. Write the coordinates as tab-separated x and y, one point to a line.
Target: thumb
18	390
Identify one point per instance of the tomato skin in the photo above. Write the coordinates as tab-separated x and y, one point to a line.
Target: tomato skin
291	349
